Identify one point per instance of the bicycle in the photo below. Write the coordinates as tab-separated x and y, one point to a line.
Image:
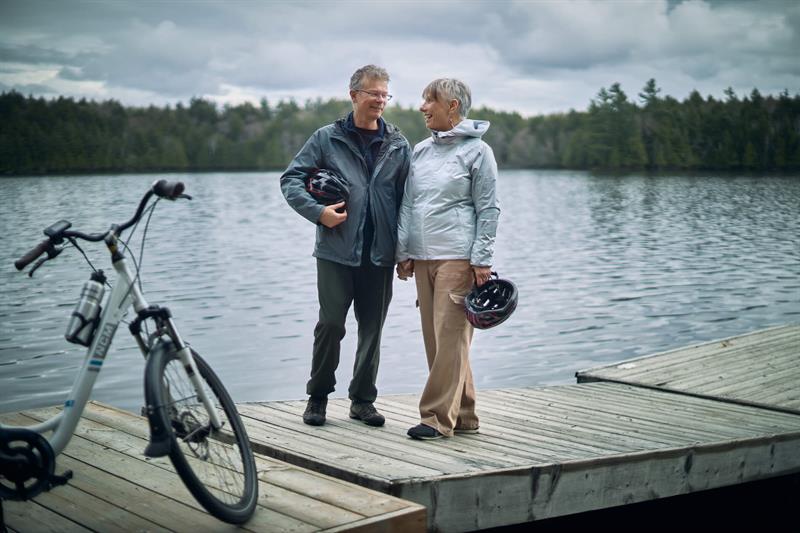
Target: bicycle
191	416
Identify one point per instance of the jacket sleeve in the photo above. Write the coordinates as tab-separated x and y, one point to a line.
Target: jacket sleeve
403	176
404	215
293	180
403	210
403	222
487	206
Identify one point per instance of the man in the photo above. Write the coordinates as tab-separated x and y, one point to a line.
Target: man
355	244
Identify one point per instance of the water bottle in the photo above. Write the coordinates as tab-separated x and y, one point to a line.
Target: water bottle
83	322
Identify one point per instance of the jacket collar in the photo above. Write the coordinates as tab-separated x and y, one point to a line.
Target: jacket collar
464	129
350	125
390	131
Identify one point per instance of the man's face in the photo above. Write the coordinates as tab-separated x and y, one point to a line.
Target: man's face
370	101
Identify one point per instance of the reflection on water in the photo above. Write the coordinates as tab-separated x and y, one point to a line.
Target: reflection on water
608	268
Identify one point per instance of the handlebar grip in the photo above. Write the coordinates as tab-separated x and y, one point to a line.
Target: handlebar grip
28	258
168	189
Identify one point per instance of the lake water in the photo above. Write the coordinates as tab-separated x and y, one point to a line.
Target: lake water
608	268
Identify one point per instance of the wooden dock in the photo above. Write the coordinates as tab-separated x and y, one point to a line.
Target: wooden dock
555	451
704	417
115	488
760	368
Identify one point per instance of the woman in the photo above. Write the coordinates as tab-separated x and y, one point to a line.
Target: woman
446	233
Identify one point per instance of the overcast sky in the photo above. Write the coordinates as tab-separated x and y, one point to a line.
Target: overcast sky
534	57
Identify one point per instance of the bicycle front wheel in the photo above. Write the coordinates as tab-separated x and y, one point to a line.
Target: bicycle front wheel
217	465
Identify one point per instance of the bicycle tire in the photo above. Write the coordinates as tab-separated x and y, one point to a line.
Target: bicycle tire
217	467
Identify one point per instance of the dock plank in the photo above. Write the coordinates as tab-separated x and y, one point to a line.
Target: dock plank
32	516
399	419
619	444
358	435
761	368
296	491
116	488
548	442
120	454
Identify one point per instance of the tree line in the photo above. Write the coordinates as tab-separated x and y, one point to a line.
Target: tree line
616	132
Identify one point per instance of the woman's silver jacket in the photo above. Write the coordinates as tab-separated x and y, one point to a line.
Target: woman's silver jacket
450	207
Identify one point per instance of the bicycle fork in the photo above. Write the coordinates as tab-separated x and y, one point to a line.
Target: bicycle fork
160	441
185	355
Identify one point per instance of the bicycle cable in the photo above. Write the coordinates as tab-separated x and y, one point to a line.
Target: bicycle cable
152	209
74	243
133	258
138	265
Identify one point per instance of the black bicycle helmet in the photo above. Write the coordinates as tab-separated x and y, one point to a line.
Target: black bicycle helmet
491	303
327	186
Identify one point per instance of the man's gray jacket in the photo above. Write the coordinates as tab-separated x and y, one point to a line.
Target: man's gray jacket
330	147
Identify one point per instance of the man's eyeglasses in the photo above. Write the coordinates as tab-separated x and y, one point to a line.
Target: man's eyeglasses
377	96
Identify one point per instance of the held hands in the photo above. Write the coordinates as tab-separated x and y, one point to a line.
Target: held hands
330	217
482	274
405	269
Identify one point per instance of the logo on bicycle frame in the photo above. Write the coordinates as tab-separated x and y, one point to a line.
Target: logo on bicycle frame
103	343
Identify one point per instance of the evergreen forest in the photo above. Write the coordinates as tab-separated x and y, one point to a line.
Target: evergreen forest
616	133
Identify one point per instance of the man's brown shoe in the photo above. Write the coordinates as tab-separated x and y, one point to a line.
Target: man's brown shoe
367	413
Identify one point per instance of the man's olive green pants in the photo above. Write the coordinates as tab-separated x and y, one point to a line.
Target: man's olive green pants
369	289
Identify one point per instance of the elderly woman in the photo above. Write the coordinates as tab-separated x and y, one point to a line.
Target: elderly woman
446	234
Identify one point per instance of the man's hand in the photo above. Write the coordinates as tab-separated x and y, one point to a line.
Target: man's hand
330	218
482	274
405	269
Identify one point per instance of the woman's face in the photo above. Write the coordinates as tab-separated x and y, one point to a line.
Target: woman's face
437	113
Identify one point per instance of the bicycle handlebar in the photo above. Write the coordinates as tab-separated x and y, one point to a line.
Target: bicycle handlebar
169	190
59	231
31	256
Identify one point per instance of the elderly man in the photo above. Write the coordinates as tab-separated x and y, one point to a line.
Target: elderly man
355	243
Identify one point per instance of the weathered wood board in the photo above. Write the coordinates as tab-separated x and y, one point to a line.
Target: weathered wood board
116	488
761	368
541	452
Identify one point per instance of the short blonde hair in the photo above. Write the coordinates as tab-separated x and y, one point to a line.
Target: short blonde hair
450	89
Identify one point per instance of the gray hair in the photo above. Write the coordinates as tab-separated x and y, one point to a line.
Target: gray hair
446	89
371	72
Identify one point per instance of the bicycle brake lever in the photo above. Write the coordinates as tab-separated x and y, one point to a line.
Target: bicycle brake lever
36	265
52	253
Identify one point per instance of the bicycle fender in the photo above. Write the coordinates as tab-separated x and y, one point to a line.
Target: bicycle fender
160	443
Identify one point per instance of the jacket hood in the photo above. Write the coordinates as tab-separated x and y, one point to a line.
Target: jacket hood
465	128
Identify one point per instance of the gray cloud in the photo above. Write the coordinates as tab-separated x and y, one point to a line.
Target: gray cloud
35	55
33	89
533	57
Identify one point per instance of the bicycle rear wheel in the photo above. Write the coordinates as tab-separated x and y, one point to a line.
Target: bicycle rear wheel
217	466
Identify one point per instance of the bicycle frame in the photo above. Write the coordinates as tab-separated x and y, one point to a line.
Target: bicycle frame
125	293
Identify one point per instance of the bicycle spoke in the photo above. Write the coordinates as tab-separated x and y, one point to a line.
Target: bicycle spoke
215	460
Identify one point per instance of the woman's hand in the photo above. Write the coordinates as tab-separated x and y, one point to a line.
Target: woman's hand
405	269
482	274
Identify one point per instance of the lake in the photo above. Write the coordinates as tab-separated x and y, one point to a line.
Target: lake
607	267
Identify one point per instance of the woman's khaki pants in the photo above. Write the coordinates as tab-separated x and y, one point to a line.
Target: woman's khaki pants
448	400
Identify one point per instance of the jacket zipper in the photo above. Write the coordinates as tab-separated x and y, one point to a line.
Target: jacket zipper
378	166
